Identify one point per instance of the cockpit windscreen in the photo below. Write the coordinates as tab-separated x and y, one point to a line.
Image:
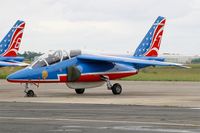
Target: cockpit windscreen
50	58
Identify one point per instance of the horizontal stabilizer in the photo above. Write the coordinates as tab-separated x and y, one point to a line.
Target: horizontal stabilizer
10	64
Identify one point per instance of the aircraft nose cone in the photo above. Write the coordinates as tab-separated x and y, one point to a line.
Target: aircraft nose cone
11	77
17	76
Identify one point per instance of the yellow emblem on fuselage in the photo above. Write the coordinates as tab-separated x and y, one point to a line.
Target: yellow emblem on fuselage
44	74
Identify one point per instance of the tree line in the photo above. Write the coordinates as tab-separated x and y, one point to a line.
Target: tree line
195	61
30	55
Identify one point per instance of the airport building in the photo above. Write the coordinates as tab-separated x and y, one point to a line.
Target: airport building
177	58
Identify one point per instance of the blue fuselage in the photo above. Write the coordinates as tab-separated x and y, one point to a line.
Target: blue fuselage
90	71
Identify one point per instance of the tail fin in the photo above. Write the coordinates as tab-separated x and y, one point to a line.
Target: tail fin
151	42
10	43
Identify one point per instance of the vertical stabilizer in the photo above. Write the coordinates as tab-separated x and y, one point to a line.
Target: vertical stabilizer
150	44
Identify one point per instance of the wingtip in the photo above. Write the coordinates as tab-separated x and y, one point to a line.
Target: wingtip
23	64
186	67
183	66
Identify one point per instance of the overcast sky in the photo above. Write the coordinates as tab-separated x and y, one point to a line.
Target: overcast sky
104	25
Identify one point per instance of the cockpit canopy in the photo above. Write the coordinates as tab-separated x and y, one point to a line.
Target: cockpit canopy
53	57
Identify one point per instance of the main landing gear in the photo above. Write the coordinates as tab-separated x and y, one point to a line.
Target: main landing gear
29	92
80	91
116	88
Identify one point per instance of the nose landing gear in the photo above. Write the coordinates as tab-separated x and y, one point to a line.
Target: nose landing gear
29	92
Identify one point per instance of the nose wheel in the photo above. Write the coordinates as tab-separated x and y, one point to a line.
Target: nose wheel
29	92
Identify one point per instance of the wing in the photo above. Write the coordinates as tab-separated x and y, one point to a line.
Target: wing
134	61
5	64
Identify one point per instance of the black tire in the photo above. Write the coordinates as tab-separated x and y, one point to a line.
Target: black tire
80	91
30	93
116	89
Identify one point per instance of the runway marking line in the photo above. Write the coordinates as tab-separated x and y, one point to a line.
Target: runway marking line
55	109
195	108
128	128
100	121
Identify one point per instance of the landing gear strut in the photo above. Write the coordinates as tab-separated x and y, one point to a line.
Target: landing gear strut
116	88
28	91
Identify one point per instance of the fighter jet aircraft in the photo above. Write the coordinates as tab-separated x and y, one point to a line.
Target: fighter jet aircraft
81	70
9	46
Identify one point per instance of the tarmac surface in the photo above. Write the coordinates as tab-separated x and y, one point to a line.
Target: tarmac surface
89	118
152	107
181	94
